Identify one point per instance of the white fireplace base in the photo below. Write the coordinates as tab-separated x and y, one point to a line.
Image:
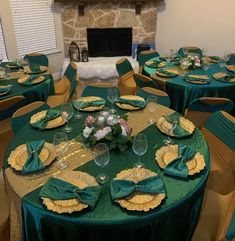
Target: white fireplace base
100	68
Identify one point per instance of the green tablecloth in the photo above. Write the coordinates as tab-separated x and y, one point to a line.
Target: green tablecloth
175	219
181	93
32	93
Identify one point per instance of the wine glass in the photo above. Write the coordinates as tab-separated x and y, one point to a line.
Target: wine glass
139	146
185	51
205	63
77	106
102	156
151	106
170	130
67	113
60	143
112	95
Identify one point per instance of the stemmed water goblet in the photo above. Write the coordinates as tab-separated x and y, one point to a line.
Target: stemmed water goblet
112	95
205	63
168	140
67	113
139	146
185	51
101	158
77	106
151	106
60	143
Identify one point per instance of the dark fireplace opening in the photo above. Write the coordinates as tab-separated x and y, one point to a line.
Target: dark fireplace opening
108	42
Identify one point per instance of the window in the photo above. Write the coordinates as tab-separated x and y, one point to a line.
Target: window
34	25
2	43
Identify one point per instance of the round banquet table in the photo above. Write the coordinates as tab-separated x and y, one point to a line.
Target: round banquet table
174	219
33	92
181	93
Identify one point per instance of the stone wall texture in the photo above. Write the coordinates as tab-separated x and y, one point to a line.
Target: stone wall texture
108	15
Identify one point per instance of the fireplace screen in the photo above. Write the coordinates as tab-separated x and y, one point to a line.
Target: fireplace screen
107	42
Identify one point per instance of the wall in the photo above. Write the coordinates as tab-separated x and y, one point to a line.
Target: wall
108	15
206	23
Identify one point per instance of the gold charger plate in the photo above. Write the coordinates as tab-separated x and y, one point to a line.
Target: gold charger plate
159	65
202	79
127	106
139	201
59	121
91	99
167	154
219	75
35	81
19	156
164	126
27	70
231	67
170	70
77	178
5	92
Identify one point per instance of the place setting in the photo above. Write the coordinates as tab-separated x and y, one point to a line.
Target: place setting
157	63
89	103
30	79
35	69
5	89
175	125
170	72
224	77
130	102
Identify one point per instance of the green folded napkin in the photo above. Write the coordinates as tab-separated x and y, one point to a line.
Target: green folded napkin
179	130
215	58
225	78
135	103
33	163
124	188
29	80
57	189
153	63
167	72
84	104
192	78
178	167
35	68
50	115
5	88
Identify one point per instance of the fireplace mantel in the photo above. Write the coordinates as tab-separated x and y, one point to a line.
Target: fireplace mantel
82	3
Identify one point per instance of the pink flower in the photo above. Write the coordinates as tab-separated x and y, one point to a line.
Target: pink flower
125	128
90	121
102	133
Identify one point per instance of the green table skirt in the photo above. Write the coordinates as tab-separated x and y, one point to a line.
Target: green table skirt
175	218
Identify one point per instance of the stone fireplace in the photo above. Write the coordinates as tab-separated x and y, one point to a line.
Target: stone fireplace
108	15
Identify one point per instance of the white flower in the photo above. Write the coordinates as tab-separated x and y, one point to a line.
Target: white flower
123	131
197	64
87	131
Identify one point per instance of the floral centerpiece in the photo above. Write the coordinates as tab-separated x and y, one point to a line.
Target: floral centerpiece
108	128
191	61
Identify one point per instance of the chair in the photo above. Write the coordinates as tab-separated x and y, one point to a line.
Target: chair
200	109
97	90
4	211
162	97
159	81
37	58
22	115
125	71
219	131
215	221
144	81
65	87
7	108
144	56
190	49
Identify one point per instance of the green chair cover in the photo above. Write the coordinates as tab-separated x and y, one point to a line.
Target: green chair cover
19	121
7	113
96	91
37	58
200	105
71	74
123	67
222	127
163	100
193	50
141	83
144	57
